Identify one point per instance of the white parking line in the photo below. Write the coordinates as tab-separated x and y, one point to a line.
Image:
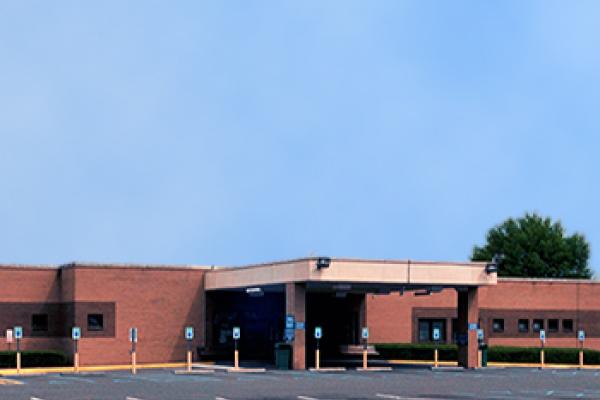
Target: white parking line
131	398
394	397
35	398
306	398
220	398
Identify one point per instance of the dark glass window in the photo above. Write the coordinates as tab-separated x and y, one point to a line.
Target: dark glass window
553	325
39	322
538	325
498	325
567	325
523	325
426	327
95	322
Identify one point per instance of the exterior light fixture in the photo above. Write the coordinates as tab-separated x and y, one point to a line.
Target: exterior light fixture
492	268
255	292
323	262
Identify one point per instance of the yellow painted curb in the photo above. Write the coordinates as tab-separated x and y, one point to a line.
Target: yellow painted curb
496	364
95	368
10	382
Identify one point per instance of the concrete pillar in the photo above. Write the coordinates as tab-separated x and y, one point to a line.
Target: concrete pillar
468	314
295	304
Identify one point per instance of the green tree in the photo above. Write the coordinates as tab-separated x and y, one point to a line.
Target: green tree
534	246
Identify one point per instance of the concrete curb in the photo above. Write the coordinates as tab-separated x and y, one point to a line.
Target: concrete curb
194	372
246	370
328	369
374	369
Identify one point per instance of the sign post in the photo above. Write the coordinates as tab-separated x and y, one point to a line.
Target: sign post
436	339
479	351
76	335
236	356
18	336
133	338
318	336
365	338
543	342
581	338
189	336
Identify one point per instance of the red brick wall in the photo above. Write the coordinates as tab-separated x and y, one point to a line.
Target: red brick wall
391	317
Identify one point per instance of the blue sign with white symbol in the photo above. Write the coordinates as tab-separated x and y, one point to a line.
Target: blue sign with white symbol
289	334
236	333
189	333
581	336
76	333
18	332
290	321
365	333
318	332
436	334
542	335
480	334
472	326
133	335
300	325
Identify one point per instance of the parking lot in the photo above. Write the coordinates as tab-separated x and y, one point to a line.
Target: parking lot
399	384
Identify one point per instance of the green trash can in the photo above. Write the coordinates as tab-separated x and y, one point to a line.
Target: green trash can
484	354
283	355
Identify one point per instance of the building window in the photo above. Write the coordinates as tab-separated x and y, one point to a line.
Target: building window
426	327
95	322
523	325
39	322
553	325
498	325
538	325
567	325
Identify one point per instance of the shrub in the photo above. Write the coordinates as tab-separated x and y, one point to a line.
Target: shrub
42	358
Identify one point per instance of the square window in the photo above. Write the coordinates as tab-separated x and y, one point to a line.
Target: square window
567	325
95	322
39	322
538	325
553	325
498	325
523	325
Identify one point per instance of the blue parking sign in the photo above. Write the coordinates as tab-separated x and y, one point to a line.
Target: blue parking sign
318	332
189	333
236	333
18	332
76	333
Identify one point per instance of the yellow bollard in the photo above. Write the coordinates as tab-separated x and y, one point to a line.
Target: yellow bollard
317	360
18	362
236	361
133	363
364	358
435	358
581	358
542	358
76	362
479	358
189	361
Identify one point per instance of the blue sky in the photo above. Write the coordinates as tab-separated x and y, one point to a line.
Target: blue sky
232	132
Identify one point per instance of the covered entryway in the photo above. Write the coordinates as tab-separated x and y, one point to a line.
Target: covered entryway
330	293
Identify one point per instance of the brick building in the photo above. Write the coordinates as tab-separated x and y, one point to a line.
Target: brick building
400	301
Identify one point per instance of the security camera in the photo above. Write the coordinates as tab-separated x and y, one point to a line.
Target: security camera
492	267
323	262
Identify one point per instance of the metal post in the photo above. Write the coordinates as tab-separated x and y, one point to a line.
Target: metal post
76	358
317	355
236	356
133	359
18	356
189	356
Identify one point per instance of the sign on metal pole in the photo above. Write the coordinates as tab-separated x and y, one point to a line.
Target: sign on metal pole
76	333
189	333
318	332
581	335
365	333
480	336
236	333
9	336
542	335
436	334
18	332
133	335
290	322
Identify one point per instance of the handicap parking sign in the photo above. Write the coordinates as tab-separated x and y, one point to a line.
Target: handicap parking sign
480	334
581	336
189	333
436	334
76	333
542	335
318	332
236	332
365	333
18	332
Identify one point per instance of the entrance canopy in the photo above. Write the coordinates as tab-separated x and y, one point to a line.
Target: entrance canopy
367	276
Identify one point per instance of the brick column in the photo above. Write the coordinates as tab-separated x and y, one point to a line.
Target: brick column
295	304
468	313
